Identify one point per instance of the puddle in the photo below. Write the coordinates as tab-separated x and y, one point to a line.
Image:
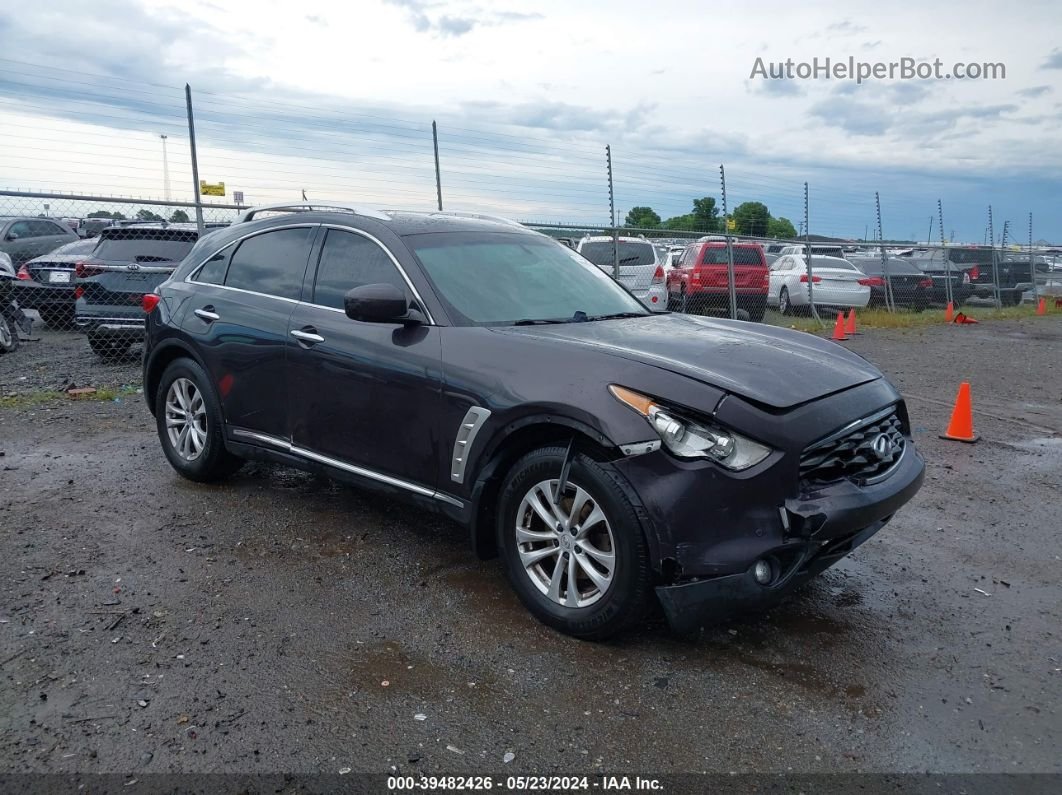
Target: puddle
407	673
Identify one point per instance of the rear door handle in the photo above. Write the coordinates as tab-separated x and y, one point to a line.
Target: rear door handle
308	334
207	313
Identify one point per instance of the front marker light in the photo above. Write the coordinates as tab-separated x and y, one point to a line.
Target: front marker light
688	439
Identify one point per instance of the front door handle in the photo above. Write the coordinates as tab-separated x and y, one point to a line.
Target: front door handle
208	314
307	334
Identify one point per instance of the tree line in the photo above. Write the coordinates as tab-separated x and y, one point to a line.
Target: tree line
176	217
749	218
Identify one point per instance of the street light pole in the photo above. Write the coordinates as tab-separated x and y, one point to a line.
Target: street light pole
165	169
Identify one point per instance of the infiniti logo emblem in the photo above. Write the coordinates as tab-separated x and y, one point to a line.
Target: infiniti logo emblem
882	446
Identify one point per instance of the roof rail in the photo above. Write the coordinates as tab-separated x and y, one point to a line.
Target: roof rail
477	216
306	207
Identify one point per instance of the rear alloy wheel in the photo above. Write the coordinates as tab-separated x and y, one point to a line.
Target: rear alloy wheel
577	560
784	305
8	334
188	420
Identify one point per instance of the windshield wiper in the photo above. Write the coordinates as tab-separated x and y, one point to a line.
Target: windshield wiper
527	321
618	315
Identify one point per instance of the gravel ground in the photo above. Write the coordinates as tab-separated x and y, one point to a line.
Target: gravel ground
284	622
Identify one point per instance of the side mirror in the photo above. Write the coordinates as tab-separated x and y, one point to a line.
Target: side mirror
12	236
379	303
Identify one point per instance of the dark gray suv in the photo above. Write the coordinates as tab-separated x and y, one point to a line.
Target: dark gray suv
23	238
612	457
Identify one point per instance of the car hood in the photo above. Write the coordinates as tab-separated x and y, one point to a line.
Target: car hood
771	366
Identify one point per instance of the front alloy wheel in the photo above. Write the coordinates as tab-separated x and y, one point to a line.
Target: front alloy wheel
565	545
186	419
578	560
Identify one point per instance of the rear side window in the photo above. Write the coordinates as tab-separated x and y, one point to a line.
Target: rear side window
213	270
348	261
273	263
743	255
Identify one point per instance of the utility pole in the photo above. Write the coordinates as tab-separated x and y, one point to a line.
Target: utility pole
165	169
948	292
612	214
438	178
807	259
929	238
732	288
995	264
1032	263
195	161
890	305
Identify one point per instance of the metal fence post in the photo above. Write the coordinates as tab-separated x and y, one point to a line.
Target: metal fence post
949	295
732	289
195	161
995	268
890	303
612	214
1032	265
807	259
438	178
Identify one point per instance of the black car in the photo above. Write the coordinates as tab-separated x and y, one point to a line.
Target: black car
46	283
611	456
911	288
109	284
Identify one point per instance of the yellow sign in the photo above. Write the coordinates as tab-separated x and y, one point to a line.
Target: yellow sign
208	189
731	225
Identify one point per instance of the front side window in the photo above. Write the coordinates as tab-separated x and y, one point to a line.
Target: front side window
499	278
347	261
20	228
272	263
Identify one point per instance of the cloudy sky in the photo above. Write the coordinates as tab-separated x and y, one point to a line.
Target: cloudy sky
338	99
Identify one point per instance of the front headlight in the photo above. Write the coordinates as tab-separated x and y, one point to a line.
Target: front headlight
686	438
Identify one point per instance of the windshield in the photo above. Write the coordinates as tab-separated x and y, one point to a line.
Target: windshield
144	249
743	255
497	278
630	253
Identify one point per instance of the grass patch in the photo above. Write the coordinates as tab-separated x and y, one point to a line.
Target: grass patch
879	318
41	397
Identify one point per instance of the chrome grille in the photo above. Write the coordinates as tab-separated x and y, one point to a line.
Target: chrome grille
864	454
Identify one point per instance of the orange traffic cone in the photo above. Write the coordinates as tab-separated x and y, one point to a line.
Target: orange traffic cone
838	329
963	320
1041	306
949	312
850	323
961	429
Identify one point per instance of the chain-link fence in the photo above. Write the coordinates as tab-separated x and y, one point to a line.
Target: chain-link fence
78	258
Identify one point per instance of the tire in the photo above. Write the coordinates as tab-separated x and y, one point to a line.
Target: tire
8	335
57	319
112	349
198	452
785	306
610	601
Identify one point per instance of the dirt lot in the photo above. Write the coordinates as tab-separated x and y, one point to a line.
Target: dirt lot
283	622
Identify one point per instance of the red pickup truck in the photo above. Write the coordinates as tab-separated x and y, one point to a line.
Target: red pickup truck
699	282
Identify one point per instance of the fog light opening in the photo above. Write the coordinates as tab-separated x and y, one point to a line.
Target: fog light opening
763	572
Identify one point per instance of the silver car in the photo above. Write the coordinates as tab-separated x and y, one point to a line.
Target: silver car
642	267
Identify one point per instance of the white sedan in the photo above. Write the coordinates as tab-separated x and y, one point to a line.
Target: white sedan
835	282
